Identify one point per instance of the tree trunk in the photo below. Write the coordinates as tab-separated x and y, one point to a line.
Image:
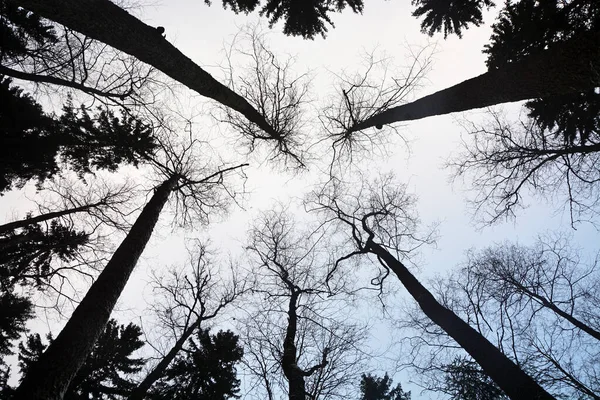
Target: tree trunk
293	373
44	217
140	391
104	21
576	322
49	377
571	66
507	375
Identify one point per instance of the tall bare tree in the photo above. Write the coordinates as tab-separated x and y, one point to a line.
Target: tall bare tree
380	221
297	330
535	302
565	67
105	21
270	85
187	300
43	53
381	85
503	160
198	190
99	199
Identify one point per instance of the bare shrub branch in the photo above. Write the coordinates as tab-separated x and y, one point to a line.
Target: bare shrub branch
504	161
270	85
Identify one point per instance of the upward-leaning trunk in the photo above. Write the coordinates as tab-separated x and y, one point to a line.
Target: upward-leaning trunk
507	375
571	66
293	373
105	21
10	226
575	321
140	391
50	376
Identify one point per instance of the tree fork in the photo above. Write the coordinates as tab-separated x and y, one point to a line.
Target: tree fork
50	376
507	375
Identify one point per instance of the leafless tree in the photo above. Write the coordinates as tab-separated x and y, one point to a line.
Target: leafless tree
199	188
75	61
380	221
270	85
99	199
114	26
536	76
535	303
186	300
503	161
360	96
62	247
297	338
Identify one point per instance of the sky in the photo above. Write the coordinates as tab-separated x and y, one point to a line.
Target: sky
200	32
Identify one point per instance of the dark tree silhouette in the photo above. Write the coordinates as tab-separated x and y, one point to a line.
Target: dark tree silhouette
536	303
114	26
48	54
32	140
197	190
301	18
379	220
464	380
27	254
108	370
299	296
375	388
96	199
529	40
564	68
526	27
504	159
186	300
206	369
451	16
15	311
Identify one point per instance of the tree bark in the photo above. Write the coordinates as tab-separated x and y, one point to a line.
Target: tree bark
507	375
50	376
571	66
293	373
105	21
140	391
10	226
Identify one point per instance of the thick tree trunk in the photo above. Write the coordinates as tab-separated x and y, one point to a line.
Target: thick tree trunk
104	21
49	378
140	391
571	66
293	373
44	217
507	375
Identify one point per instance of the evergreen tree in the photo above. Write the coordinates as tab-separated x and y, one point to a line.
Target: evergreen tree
106	373
204	371
15	310
26	255
22	31
33	141
301	18
464	380
374	388
530	26
451	16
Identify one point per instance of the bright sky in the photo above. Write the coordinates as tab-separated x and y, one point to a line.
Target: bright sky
200	32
